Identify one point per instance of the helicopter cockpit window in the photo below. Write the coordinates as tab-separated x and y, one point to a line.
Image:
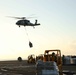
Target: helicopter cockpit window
28	21
19	21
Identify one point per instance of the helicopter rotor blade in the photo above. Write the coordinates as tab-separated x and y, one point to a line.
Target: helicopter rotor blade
21	17
17	17
30	17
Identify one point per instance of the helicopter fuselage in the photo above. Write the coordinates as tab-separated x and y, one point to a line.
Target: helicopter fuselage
26	23
23	22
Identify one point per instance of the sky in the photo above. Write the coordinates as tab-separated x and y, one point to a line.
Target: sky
57	29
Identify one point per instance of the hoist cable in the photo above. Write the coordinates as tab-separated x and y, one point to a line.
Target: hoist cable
27	34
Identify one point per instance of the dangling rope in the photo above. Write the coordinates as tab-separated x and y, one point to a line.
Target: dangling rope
30	44
27	34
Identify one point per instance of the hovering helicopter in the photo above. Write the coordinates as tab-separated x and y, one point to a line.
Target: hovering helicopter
25	22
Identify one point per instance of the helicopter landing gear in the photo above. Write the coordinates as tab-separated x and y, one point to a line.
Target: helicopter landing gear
19	25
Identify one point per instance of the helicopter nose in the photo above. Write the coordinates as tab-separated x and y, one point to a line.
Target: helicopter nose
17	23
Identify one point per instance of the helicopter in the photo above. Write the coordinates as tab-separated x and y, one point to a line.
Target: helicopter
25	22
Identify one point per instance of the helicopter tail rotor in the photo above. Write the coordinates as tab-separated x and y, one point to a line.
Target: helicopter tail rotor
35	21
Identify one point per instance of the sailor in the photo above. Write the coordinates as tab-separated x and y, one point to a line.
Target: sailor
53	57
